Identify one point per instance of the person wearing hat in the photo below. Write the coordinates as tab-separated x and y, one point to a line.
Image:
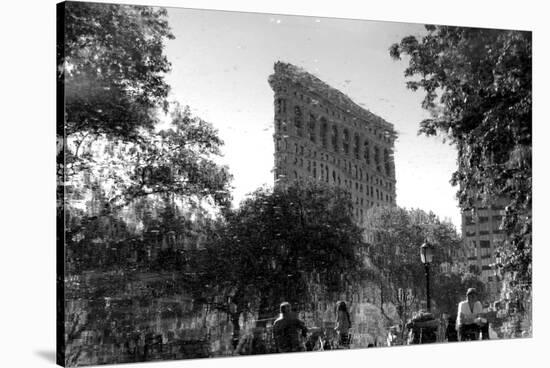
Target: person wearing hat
467	320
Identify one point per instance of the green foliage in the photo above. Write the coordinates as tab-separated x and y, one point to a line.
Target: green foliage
470	280
112	65
398	234
450	289
133	199
272	247
478	88
120	176
176	161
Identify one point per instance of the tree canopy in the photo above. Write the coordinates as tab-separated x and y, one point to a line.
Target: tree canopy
133	195
112	65
398	234
275	245
477	85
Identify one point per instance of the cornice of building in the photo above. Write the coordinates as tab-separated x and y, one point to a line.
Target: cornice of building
289	73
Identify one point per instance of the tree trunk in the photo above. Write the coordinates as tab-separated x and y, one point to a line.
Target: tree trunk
236	329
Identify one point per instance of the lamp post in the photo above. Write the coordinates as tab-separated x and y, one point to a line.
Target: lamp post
426	256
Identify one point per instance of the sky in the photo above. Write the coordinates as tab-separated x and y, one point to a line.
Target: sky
220	66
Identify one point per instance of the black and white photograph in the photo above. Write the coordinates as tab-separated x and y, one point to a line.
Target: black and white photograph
235	183
240	183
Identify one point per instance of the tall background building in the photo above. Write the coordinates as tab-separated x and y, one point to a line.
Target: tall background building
482	236
321	134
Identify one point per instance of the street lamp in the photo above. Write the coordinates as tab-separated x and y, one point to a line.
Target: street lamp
426	256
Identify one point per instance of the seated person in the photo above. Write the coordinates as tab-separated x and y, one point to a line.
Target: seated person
469	321
286	330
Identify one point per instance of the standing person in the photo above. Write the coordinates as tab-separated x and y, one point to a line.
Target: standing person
467	317
286	330
343	323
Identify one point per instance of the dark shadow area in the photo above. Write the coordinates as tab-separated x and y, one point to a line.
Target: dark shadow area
48	355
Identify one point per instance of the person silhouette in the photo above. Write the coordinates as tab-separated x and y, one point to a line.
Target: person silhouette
286	330
467	321
343	323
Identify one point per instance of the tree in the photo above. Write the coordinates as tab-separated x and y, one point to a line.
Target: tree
173	164
275	245
450	289
175	161
398	234
125	186
478	89
112	65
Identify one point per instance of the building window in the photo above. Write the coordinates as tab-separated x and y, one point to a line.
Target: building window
311	128
334	138
345	144
484	243
281	106
323	131
356	147
298	121
377	159
366	152
387	161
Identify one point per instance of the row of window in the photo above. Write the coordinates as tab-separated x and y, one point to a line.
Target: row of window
484	231
470	220
324	175
281	109
311	167
341	142
353	170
